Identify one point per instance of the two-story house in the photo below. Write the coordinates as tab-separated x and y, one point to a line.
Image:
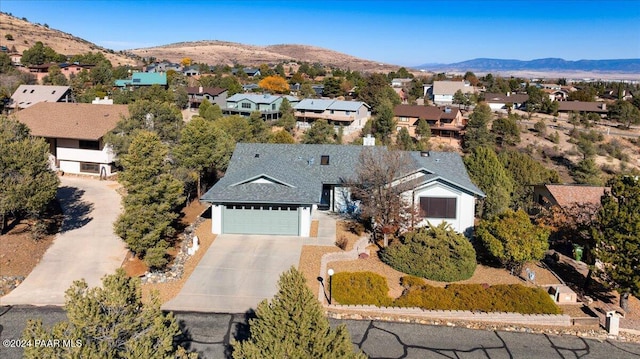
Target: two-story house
139	79
244	104
215	95
442	91
351	115
75	134
443	121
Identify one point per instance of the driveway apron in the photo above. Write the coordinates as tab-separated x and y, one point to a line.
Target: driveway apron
85	248
237	273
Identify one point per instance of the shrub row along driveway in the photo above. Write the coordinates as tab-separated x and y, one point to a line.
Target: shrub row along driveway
86	246
237	272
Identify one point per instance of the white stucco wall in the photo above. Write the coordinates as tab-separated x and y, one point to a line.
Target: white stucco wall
496	106
69	166
443	98
305	221
216	219
465	205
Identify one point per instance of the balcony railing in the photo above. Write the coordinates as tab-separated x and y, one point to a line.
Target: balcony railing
79	155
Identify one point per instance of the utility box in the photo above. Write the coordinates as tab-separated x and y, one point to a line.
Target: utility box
613	323
562	294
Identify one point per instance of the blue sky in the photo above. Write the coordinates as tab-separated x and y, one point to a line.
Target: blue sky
397	32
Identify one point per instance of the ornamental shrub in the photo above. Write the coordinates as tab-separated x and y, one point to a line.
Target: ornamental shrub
436	253
366	288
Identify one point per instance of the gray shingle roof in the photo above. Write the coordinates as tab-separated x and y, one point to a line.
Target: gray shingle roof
322	105
297	175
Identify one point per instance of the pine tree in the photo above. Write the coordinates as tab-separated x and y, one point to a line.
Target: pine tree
321	132
152	200
477	129
587	172
259	129
403	140
108	322
617	236
27	183
292	325
488	173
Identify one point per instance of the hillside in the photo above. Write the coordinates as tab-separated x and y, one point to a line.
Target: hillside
25	34
230	53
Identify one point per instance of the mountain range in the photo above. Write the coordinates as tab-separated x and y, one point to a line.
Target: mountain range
627	66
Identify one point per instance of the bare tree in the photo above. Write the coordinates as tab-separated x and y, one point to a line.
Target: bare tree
379	186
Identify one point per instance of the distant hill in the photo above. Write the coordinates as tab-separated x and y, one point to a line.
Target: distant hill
221	52
622	66
25	34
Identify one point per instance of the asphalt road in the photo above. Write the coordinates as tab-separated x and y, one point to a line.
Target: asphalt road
209	334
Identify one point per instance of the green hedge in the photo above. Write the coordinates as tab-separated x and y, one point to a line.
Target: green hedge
436	253
368	288
361	288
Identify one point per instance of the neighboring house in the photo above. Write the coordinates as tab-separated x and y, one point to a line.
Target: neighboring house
498	101
73	69
556	94
191	71
75	134
29	95
318	89
443	91
163	67
352	115
275	189
251	72
139	79
250	87
444	121
268	105
215	95
401	82
549	195
16	58
582	106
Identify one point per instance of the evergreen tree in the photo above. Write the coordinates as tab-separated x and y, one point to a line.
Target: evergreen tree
477	129
55	77
108	322
423	130
287	119
259	129
587	172
27	183
152	200
281	136
489	174
321	132
203	147
237	127
403	140
506	130
293	325
617	236
512	239
525	172
383	124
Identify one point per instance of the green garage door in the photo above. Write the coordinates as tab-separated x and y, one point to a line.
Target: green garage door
260	219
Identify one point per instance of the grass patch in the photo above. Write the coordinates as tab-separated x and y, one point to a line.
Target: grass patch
367	288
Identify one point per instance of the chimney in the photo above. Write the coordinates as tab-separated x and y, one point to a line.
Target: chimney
200	89
603	106
369	140
508	94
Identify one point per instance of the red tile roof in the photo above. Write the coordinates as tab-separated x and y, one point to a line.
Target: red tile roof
82	121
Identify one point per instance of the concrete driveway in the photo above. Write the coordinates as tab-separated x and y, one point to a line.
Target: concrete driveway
85	248
237	273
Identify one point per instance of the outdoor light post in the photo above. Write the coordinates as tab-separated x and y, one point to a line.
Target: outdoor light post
330	273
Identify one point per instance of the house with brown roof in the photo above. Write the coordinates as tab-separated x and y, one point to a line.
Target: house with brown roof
549	195
498	101
75	134
444	121
28	95
215	95
582	106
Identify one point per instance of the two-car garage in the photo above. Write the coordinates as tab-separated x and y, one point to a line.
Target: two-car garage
267	219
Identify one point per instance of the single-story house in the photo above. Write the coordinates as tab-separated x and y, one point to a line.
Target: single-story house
215	95
29	95
352	115
191	71
401	82
275	189
249	71
250	87
244	104
582	106
75	134
143	79
498	101
163	66
442	91
549	195
444	121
